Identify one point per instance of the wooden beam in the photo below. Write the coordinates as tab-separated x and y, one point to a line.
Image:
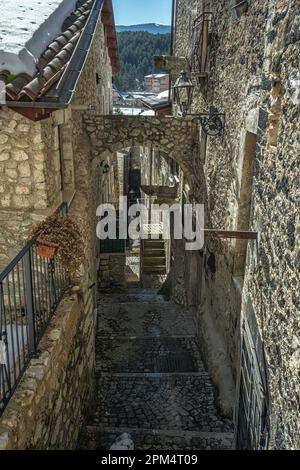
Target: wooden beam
239	235
111	43
110	28
34	114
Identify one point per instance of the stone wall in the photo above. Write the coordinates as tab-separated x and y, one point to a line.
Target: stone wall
22	183
112	270
273	273
21	163
49	406
251	182
166	134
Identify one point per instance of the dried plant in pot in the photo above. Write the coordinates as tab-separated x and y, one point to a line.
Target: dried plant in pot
60	236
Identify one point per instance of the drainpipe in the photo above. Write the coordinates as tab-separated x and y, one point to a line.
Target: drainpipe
174	9
173	26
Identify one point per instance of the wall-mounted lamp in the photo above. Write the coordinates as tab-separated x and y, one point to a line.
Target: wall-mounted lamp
213	123
183	93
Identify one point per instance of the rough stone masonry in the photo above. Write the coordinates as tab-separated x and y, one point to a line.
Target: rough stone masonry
251	182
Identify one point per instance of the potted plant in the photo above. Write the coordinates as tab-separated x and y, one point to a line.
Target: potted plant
46	248
60	236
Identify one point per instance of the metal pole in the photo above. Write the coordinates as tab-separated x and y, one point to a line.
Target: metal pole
29	302
5	390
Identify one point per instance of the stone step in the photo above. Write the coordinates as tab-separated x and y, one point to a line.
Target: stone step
154	269
158	260
154	243
99	438
149	355
145	319
182	402
134	295
155	256
154	250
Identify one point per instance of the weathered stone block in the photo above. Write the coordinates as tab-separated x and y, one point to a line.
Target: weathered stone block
23	128
4	156
12	174
39	176
20	201
20	155
21	190
24	170
3	139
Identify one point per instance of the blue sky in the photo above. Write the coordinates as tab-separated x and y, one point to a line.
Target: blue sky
142	11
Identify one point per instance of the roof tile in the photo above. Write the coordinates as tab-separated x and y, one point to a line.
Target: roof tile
53	60
13	89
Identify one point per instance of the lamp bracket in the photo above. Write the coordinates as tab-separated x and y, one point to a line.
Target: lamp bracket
213	124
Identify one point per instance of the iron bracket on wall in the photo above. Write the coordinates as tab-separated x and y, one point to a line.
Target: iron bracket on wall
213	124
235	234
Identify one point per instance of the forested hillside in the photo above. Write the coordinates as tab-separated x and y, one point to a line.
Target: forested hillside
137	50
152	28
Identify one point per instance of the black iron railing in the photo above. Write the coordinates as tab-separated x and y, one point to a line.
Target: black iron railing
31	287
63	209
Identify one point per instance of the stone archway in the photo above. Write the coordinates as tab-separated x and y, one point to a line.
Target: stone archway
174	136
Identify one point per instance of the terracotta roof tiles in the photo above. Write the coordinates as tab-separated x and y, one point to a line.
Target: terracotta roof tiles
57	55
54	59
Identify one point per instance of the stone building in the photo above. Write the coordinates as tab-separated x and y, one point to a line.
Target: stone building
44	162
243	58
40	124
157	82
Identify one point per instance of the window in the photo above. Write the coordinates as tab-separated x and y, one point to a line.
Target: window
253	427
98	78
239	7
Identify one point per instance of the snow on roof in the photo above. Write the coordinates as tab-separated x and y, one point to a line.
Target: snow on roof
163	94
134	111
156	75
26	28
161	99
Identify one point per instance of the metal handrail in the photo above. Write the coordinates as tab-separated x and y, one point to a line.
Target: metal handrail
31	288
63	209
16	260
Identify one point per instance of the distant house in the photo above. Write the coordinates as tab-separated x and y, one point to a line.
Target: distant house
160	104
118	99
157	83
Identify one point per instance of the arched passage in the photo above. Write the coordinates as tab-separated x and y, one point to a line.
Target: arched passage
176	137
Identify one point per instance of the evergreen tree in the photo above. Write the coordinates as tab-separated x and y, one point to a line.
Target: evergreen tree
137	50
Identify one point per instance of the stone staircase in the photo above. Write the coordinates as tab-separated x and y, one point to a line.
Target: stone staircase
151	381
154	257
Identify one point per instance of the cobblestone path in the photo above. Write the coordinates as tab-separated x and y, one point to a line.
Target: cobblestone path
150	379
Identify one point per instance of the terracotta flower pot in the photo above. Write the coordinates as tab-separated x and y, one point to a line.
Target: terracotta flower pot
46	249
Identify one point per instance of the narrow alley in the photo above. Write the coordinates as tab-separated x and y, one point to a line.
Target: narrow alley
149	226
150	380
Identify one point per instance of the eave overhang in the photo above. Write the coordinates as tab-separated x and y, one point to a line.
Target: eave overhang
59	96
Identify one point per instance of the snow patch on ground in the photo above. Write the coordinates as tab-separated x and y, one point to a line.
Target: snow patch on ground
27	27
